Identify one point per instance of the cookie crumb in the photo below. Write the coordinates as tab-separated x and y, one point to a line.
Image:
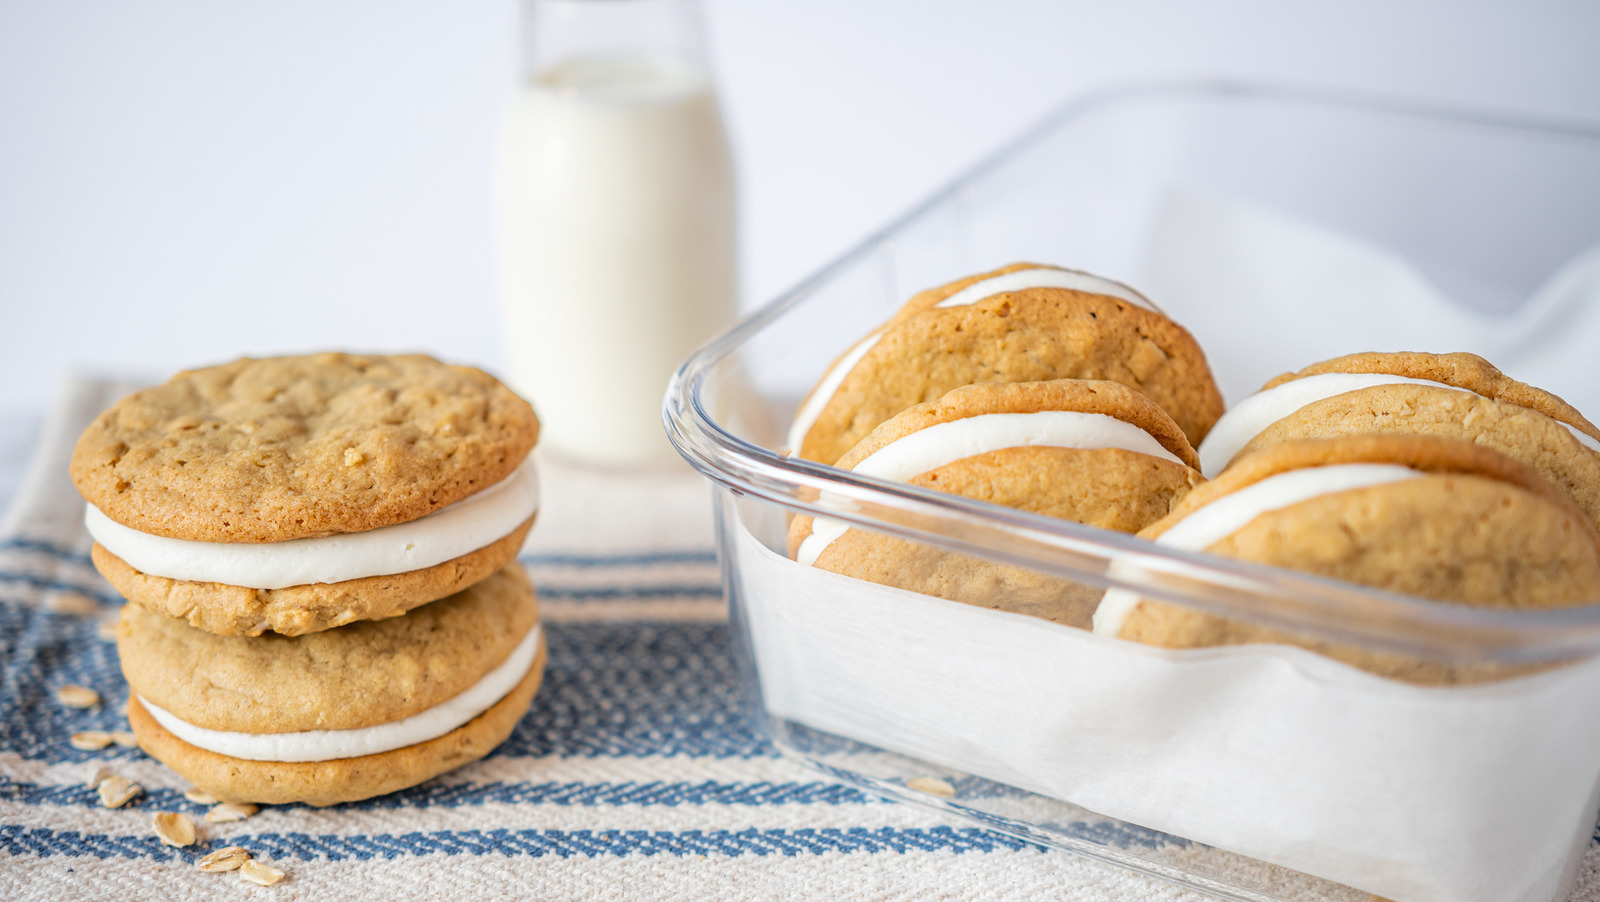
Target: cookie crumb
200	798
353	457
230	859
125	738
228	812
118	791
75	696
91	740
74	603
258	873
97	775
107	628
932	786
174	829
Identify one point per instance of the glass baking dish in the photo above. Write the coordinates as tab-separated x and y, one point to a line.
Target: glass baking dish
1255	772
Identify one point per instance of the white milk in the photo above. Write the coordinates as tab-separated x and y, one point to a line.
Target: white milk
616	228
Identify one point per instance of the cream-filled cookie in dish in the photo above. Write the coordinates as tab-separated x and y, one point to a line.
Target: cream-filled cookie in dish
295	494
1453	395
1023	323
1092	452
1438	518
338	715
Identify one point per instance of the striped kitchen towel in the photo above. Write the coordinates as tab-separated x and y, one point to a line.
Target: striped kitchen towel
639	772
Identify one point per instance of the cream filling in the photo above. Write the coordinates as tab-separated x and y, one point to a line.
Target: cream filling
473	522
327	745
1044	277
945	443
806	416
1250	417
1225	516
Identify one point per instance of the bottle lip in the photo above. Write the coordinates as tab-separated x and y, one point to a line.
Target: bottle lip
553	32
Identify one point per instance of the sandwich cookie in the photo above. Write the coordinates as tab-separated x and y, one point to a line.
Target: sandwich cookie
1453	395
1091	452
338	715
1025	323
295	494
1432	517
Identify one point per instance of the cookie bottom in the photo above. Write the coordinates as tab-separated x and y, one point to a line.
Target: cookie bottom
296	610
322	783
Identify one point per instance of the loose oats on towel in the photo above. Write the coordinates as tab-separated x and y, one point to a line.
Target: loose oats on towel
118	791
174	829
230	859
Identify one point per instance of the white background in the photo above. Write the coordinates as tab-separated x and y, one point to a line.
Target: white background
183	181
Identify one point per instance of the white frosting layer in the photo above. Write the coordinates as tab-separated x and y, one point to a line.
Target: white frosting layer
1227	515
1044	277
1250	417
465	526
327	745
945	443
806	416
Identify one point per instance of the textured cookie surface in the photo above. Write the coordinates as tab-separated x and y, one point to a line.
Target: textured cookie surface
1515	430
296	610
292	447
1478	529
354	676
1467	371
342	779
1036	334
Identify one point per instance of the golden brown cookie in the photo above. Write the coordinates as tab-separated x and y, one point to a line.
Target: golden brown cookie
1027	335
1465	525
360	675
240	611
1462	396
1132	465
293	447
341	779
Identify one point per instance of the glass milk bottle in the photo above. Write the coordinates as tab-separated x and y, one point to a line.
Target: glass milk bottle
615	203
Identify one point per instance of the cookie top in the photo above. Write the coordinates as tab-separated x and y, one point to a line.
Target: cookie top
1101	453
267	450
1027	335
971	289
360	675
1465	371
1431	517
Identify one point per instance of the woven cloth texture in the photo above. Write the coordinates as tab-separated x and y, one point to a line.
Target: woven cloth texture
639	772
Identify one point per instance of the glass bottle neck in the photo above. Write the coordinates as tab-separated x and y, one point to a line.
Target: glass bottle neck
572	33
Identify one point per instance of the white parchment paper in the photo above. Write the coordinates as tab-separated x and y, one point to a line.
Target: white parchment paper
1418	794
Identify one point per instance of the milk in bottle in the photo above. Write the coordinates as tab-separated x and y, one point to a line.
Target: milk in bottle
616	223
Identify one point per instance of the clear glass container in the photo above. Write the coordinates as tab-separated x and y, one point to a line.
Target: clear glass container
1257	772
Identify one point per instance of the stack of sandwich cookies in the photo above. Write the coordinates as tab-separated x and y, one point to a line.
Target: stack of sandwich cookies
1091	452
320	551
1455	395
1431	517
1024	323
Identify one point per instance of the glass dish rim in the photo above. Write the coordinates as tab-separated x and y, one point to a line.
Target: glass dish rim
1329	609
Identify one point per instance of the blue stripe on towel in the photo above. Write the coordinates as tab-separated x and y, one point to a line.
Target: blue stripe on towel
24	544
612	688
461	795
18	840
